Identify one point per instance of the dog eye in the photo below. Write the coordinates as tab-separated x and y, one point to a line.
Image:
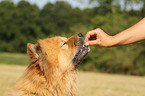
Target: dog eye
64	43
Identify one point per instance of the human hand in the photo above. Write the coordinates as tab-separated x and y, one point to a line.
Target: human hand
98	37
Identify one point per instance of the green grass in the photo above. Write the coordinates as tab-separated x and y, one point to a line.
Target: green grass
14	58
90	84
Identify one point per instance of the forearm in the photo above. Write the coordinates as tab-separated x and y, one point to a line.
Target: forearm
133	34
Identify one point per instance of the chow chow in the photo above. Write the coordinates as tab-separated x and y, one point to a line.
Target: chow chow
53	67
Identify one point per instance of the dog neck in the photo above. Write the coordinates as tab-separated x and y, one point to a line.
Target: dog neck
34	83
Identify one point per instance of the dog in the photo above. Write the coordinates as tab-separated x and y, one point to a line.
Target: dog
53	67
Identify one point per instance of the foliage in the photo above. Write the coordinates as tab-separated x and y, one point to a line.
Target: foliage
24	22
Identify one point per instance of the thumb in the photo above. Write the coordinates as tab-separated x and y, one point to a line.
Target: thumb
93	42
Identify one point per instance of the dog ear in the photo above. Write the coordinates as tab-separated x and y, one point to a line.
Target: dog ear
31	50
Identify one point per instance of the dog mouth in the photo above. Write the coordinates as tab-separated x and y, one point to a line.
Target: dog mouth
82	51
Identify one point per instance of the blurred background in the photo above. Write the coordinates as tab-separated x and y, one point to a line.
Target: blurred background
23	21
26	21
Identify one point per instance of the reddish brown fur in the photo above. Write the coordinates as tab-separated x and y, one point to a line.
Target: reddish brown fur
51	72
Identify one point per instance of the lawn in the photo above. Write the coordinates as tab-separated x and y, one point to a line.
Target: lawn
90	84
14	58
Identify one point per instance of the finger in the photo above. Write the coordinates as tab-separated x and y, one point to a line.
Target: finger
87	37
93	42
89	34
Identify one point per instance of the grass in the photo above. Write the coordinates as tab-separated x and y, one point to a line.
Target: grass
14	58
90	84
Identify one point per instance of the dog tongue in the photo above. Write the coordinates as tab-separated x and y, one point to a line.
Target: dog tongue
80	56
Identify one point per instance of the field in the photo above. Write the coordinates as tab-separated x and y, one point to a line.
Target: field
14	58
90	83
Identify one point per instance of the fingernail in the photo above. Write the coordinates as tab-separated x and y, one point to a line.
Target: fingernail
86	43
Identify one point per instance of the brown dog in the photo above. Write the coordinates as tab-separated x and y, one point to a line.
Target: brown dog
52	71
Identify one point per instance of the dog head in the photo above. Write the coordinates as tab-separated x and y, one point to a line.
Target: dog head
57	53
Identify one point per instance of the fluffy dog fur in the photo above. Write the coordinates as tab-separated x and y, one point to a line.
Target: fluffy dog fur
51	72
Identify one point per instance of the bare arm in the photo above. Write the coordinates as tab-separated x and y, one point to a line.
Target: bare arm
133	34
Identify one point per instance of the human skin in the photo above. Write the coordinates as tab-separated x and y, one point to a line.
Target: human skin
133	34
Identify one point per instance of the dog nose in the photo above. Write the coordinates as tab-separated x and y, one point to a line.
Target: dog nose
80	35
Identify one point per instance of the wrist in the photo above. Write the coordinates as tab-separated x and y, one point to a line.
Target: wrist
118	40
114	41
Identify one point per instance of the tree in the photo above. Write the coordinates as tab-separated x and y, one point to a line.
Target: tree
55	18
107	4
27	21
132	2
125	4
7	27
19	25
143	9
